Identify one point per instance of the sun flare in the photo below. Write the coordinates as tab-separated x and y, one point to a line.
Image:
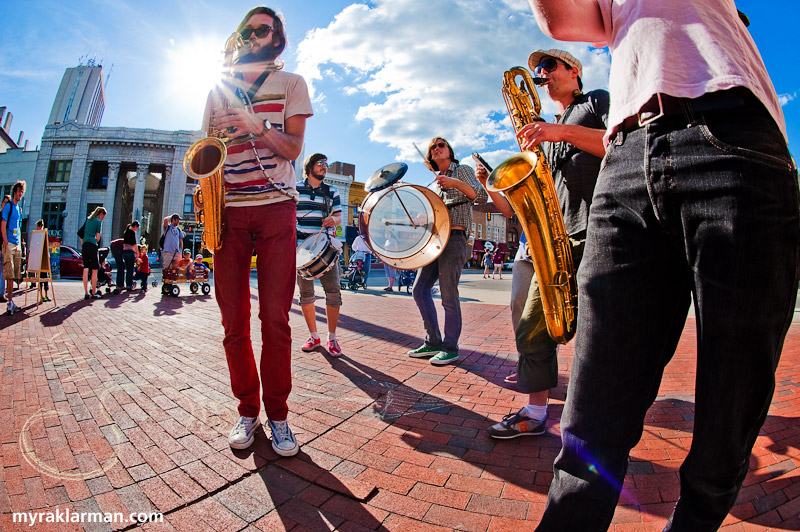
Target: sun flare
194	68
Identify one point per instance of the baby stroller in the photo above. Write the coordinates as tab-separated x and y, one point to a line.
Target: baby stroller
355	276
103	278
406	278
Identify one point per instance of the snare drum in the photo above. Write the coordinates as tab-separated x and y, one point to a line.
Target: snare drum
315	256
407	226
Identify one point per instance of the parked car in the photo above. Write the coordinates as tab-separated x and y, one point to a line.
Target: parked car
508	265
71	262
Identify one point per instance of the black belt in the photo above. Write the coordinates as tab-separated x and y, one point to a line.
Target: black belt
665	107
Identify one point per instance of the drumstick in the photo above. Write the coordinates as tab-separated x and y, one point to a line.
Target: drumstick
427	164
404	207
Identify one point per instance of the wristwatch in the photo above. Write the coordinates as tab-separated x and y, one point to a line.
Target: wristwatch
267	127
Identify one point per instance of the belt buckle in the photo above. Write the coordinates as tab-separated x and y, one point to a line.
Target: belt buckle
653	118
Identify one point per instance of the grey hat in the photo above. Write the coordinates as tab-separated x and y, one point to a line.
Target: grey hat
536	57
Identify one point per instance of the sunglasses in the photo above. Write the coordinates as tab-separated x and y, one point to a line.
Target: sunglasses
439	144
261	32
322	163
548	65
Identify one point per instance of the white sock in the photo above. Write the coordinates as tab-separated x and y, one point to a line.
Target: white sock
315	335
331	336
536	412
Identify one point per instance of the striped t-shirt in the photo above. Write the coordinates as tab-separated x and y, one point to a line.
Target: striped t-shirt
281	96
311	208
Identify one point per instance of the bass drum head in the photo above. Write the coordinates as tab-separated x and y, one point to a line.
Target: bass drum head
407	226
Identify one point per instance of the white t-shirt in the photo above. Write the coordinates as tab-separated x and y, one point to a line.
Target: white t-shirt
360	245
682	48
281	96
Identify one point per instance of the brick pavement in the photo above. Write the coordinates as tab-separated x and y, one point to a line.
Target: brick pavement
124	405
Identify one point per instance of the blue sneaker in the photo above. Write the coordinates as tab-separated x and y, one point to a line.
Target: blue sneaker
283	441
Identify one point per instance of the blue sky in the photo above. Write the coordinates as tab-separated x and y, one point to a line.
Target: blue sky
384	74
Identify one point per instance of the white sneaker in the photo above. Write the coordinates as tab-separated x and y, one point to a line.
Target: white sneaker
243	433
283	441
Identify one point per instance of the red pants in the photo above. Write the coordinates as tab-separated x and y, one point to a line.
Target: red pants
270	230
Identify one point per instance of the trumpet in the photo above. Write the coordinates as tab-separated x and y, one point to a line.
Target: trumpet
527	182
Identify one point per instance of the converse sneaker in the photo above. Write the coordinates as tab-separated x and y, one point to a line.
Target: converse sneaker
311	344
334	349
442	358
511	378
243	433
97	295
14	307
515	425
423	351
283	441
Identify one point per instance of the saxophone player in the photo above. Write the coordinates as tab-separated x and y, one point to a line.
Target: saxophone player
259	216
460	190
574	147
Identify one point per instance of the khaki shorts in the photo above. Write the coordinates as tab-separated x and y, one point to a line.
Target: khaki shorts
12	261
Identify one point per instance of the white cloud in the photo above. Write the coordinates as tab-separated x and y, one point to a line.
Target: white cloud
416	77
786	98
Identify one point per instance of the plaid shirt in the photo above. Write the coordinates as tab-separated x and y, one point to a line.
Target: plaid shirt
458	204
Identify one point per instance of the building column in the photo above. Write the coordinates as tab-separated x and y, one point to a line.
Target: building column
76	190
108	202
138	194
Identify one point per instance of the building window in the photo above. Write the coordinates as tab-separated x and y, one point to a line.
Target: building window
98	175
473	228
480	231
58	172
52	214
512	237
188	204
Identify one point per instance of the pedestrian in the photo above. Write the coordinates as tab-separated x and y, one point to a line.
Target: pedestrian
697	199
390	244
6	199
173	242
11	231
459	189
488	261
142	267
360	245
497	260
91	259
129	248
319	211
260	215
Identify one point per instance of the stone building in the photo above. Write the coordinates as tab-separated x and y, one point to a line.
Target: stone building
133	173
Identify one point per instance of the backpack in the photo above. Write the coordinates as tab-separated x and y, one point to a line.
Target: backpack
161	240
82	231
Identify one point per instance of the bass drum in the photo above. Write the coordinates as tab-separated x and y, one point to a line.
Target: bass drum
315	256
407	226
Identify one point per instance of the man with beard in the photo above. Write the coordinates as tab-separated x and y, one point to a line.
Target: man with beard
266	121
573	144
319	209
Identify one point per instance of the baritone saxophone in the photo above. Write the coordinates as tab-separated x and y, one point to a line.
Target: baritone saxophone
205	162
527	183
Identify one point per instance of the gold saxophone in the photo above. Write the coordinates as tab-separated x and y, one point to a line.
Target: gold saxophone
526	180
205	162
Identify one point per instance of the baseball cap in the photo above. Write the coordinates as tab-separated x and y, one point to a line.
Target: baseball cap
175	215
185	251
536	57
198	256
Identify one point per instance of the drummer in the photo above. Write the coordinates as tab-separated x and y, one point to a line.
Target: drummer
459	190
319	208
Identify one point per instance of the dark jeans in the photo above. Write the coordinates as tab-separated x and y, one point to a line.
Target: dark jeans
129	257
141	276
117	254
679	212
447	269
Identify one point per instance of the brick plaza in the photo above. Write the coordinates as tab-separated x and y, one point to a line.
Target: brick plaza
124	405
